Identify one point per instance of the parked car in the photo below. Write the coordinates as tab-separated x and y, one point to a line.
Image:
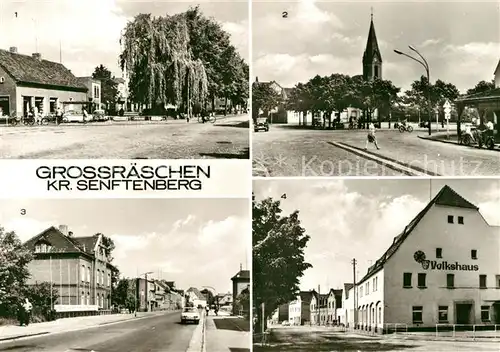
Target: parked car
100	115
190	314
261	124
73	116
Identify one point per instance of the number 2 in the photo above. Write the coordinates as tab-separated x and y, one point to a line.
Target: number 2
284	14
23	211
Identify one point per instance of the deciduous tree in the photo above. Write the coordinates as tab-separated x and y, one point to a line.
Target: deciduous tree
278	255
109	88
264	98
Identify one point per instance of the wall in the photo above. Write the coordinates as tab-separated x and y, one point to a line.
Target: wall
8	88
371	306
456	242
294	312
46	94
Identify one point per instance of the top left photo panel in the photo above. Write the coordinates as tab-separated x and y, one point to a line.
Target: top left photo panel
124	79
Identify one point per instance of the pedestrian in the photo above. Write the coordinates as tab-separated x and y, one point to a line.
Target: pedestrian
370	138
59	115
207	308
26	309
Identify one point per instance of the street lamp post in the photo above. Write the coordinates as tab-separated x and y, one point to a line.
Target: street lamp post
424	63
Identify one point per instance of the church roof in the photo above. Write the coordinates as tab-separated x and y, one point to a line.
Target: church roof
372	50
446	197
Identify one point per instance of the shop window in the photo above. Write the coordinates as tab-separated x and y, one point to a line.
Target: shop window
407	280
443	314
482	281
417	314
461	220
439	252
485	313
473	253
450	219
422	280
450	280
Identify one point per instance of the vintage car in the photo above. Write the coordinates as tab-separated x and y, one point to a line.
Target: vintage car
261	124
190	314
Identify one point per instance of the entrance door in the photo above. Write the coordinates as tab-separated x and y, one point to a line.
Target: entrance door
463	313
5	105
496	311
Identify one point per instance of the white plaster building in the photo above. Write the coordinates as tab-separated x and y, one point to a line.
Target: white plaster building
444	268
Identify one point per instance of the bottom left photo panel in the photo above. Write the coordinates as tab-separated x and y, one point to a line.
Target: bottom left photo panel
137	275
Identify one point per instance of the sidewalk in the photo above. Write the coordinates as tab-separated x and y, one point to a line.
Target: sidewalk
12	332
220	340
452	138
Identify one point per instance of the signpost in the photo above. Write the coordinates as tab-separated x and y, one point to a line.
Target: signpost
447	116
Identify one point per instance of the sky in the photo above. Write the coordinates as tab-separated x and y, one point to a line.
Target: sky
359	219
460	40
89	30
194	242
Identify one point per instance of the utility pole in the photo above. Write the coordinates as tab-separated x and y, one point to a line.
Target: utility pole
354	262
319	305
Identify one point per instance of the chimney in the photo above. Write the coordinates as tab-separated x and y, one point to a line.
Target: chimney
13	49
37	56
257	79
64	229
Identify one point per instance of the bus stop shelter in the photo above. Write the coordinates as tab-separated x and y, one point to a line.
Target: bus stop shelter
484	102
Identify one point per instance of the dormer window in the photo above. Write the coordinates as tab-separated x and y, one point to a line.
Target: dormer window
43	247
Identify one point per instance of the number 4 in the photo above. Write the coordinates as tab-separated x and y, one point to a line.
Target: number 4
23	211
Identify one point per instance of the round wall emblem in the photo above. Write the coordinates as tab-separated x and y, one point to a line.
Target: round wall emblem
419	257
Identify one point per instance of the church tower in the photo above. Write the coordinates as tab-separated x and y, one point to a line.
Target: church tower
372	60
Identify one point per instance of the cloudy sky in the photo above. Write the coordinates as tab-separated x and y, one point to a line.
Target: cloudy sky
89	30
460	40
359	218
195	242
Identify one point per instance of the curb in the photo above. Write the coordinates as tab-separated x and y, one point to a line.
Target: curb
454	143
37	334
198	344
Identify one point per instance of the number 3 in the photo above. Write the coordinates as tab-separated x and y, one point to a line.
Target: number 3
23	211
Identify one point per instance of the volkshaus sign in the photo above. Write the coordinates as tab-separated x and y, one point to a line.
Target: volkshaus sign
419	257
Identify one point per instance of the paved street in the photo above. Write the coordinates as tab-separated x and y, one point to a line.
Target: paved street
325	339
156	333
174	139
290	151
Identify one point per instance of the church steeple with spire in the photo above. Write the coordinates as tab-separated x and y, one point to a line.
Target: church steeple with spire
372	60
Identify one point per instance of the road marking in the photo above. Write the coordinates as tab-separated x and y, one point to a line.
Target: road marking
408	170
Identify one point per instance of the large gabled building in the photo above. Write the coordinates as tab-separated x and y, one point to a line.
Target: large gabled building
77	267
30	81
444	268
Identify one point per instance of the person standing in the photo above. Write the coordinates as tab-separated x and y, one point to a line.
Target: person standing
207	309
371	138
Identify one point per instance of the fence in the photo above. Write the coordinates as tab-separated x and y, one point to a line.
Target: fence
397	327
468	331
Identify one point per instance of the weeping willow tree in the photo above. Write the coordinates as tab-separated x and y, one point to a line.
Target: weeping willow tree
161	68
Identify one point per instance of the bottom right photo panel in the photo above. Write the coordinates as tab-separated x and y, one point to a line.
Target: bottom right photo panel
376	265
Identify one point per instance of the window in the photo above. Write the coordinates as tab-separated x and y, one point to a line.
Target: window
450	219
443	314
473	253
88	274
368	288
406	279
379	313
421	280
43	248
482	281
439	252
450	280
98	277
485	313
497	277
376	71
361	291
83	273
109	280
417	314
461	220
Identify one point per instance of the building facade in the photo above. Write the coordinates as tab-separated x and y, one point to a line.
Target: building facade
29	81
299	311
77	267
93	91
196	297
318	309
241	282
444	268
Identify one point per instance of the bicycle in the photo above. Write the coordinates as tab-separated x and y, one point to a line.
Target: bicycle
28	121
405	128
211	119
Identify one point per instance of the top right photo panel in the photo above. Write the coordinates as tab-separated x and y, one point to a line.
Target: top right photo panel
360	88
